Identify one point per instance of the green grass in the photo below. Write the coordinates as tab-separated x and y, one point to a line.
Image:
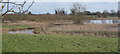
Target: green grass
0	38
15	26
0	42
57	43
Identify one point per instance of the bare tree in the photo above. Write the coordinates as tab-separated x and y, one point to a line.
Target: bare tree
98	14
113	13
118	13
60	11
105	14
15	4
77	8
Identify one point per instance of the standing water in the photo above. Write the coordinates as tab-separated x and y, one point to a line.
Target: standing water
111	21
22	31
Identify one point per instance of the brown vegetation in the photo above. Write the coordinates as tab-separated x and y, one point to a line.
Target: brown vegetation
105	30
54	24
39	18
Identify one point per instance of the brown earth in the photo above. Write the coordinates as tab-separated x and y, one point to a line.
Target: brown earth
5	29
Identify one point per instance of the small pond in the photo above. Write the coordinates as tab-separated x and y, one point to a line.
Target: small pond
110	21
22	31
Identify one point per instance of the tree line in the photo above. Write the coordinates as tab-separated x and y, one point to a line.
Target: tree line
80	9
76	9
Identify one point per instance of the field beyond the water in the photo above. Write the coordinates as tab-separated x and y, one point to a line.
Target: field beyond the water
57	43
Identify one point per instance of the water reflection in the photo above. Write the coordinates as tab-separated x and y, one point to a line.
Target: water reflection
112	21
25	32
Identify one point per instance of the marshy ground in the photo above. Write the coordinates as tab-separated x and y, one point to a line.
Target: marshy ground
58	35
52	27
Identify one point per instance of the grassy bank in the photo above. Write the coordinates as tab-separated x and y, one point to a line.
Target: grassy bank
57	43
14	26
6	28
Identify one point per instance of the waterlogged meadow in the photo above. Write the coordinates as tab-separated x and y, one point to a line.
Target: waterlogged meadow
57	43
60	31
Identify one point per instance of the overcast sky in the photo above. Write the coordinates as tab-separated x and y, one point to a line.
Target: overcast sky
69	0
44	6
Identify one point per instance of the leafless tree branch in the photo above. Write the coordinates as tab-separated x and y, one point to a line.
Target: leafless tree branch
29	6
20	8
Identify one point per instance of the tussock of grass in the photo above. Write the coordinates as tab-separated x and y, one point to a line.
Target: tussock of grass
57	43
